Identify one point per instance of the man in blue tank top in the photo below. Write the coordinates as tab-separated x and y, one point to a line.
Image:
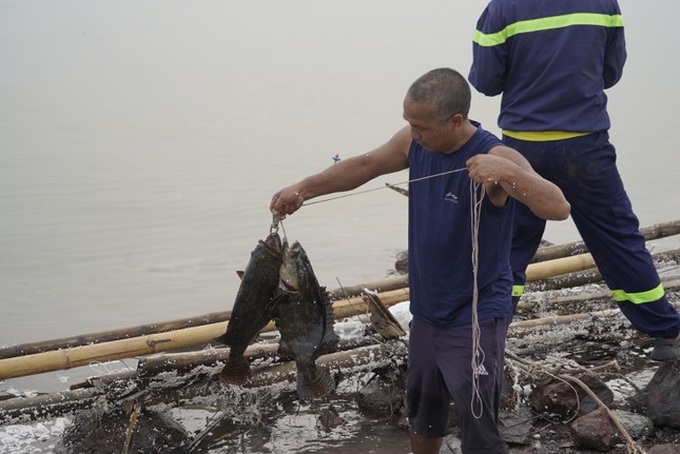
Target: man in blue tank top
464	184
552	62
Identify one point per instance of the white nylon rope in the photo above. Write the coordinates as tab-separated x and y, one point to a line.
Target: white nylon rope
383	187
476	198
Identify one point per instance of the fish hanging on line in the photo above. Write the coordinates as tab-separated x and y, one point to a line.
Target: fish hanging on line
305	321
257	295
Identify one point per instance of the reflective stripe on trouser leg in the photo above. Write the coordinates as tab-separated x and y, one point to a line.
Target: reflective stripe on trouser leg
585	169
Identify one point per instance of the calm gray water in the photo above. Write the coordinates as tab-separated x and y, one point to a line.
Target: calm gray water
140	143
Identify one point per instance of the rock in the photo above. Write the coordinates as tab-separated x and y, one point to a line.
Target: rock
554	401
401	263
92	431
516	426
330	419
383	396
599	388
665	449
560	401
663	395
595	431
636	425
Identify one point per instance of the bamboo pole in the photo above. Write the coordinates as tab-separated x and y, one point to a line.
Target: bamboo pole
45	405
652	232
106	351
201	335
187	361
381	285
590	276
544	254
339	360
556	267
68	358
107	336
669	285
562	319
61	402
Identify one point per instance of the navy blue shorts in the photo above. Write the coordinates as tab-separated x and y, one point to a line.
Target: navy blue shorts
440	371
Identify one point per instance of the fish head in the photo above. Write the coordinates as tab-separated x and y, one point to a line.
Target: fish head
295	269
273	245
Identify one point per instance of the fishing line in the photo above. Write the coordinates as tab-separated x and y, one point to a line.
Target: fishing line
476	198
384	187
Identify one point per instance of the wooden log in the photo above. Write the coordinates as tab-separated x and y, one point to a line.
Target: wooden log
187	361
669	285
65	357
362	356
380	285
562	319
357	305
107	336
21	409
201	335
556	267
154	343
390	283
107	351
652	232
590	276
54	404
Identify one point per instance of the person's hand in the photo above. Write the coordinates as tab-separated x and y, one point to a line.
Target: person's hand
486	168
286	201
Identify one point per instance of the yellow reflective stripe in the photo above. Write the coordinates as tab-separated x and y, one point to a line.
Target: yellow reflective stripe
546	23
641	297
517	290
543	136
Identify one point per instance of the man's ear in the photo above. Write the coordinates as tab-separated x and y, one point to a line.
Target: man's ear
456	120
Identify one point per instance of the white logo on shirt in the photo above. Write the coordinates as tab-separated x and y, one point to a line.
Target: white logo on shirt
451	197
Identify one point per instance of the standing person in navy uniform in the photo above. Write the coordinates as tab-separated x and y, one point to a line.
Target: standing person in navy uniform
455	167
552	62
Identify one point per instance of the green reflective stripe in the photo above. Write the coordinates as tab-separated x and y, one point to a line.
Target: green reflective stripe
546	23
517	290
639	298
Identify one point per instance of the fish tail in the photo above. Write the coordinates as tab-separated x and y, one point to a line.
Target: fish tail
236	371
314	383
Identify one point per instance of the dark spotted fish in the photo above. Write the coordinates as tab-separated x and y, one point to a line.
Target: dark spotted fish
305	321
257	294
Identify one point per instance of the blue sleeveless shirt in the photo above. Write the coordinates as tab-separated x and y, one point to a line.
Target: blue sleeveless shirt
440	242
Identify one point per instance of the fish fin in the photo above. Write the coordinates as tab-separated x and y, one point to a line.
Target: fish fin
275	301
240	273
236	371
314	383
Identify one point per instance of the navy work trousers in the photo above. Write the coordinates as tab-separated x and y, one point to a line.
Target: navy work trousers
585	170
